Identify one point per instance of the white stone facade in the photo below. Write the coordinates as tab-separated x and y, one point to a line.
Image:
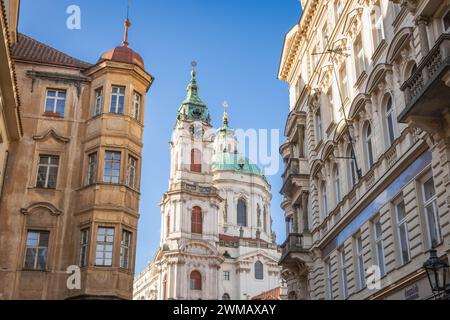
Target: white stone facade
219	256
383	64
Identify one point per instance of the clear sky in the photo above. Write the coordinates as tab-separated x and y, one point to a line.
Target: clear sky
237	44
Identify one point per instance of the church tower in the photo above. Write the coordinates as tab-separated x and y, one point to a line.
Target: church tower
189	260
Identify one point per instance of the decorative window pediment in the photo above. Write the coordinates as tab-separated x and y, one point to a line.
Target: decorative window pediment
51	133
41	205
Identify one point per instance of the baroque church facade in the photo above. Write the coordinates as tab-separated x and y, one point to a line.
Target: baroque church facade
216	231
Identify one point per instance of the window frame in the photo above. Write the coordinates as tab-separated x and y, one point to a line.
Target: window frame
56	98
259	270
195	280
369	145
132	172
426	203
390	122
337	184
112	161
92	169
126	242
197	220
98	101
37	248
376	25
344	274
137	106
242	220
226	276
443	21
105	243
378	242
116	108
49	165
359	256
84	247
399	224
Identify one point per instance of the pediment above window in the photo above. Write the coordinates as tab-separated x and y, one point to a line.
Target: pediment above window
53	134
43	206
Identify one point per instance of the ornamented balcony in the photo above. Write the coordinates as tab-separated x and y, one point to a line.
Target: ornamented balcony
427	91
293	249
296	170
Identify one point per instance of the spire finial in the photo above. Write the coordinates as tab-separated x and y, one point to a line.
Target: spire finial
225	114
127	24
194	65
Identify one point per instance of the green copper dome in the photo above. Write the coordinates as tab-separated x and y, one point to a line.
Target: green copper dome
193	108
228	161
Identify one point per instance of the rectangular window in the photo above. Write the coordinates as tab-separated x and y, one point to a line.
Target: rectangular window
125	245
47	172
36	253
344	82
329	279
84	247
55	102
431	213
111	173
360	262
92	169
319	132
98	101
136	105
360	64
344	281
379	247
117	100
402	230
226	275
105	245
131	172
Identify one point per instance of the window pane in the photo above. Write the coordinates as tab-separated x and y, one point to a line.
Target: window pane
30	257
428	188
401	213
42	259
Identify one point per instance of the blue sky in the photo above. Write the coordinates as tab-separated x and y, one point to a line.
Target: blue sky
237	44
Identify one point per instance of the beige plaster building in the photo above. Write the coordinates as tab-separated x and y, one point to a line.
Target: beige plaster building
71	191
367	153
10	125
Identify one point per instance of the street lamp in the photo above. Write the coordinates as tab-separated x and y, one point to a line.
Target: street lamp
437	276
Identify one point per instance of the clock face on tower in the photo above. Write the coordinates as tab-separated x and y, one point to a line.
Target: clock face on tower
197	113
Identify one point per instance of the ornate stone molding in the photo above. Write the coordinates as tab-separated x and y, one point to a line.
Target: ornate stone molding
43	205
51	132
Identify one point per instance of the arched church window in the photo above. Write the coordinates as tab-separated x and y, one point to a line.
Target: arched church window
226	296
197	221
242	213
259	270
196	161
196	280
265	219
258	216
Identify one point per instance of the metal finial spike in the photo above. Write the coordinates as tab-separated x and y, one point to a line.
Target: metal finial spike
194	64
225	105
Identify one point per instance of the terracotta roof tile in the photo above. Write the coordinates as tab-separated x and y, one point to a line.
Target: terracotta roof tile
30	49
274	294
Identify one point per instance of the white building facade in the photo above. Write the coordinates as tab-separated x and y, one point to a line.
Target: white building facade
216	230
366	185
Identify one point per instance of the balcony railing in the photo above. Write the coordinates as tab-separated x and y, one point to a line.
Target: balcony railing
434	62
294	243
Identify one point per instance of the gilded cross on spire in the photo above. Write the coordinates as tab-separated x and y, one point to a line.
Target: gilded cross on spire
194	65
225	114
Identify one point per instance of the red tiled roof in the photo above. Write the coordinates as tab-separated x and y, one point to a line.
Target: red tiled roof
274	294
30	49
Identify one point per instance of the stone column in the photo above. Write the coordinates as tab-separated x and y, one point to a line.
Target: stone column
297	221
305	212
